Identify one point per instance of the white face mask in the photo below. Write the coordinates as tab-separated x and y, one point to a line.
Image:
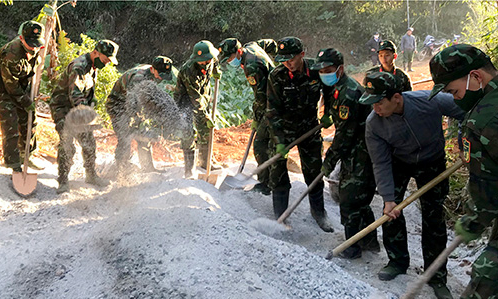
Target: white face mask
376	36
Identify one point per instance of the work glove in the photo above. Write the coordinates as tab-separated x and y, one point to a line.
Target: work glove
209	123
254	125
326	120
280	149
31	107
461	230
217	75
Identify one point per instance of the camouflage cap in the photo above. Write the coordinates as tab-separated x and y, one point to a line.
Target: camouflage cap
163	66
454	63
288	47
204	51
387	45
109	49
379	85
327	57
269	45
33	33
227	47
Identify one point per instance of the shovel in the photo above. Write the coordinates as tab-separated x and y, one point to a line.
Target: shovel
374	225
208	177
25	183
246	153
240	180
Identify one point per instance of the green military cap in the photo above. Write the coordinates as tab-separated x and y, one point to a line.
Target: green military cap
327	57
269	45
163	66
227	47
454	63
203	51
387	45
287	48
33	33
379	85
109	49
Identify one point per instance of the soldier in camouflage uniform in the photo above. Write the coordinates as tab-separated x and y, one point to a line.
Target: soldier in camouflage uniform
269	46
257	66
387	55
18	61
405	139
193	93
469	75
76	86
356	180
161	69
293	95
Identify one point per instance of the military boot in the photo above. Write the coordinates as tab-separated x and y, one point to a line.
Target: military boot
404	66
354	251
318	211
93	179
410	67
203	158
261	188
441	290
63	183
189	158
280	202
390	271
145	159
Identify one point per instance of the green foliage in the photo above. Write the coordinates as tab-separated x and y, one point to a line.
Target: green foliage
481	28
6	2
235	98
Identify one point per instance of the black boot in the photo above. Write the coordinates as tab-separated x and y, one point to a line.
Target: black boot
404	66
280	202
189	157
63	183
92	178
203	157
410	67
318	211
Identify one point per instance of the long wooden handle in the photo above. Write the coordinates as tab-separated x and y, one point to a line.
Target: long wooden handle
294	205
278	156
246	153
374	225
417	286
211	131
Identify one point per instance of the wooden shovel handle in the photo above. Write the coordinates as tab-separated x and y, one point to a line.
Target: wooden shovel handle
211	131
374	225
246	153
278	156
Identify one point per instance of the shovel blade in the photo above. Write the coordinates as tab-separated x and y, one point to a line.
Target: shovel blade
24	185
238	181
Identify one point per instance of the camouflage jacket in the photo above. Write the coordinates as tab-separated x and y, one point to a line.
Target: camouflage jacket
481	154
76	86
192	86
349	117
405	79
117	97
257	66
292	102
16	69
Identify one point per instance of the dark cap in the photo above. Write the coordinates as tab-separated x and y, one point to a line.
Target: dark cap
327	57
33	33
287	48
163	65
454	63
269	45
204	51
109	49
387	45
227	47
379	85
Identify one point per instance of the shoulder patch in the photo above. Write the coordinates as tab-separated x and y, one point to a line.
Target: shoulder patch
343	112
251	80
466	149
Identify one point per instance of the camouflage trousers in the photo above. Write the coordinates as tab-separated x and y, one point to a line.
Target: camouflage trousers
310	153
433	225
356	191
14	123
124	133
198	133
408	56
261	148
66	151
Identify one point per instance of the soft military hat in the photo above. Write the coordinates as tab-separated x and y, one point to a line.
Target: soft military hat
287	48
379	85
327	57
454	63
387	45
33	33
163	66
227	47
269	45
203	51
109	49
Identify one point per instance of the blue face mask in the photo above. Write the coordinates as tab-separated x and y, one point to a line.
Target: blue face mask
235	62
329	79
